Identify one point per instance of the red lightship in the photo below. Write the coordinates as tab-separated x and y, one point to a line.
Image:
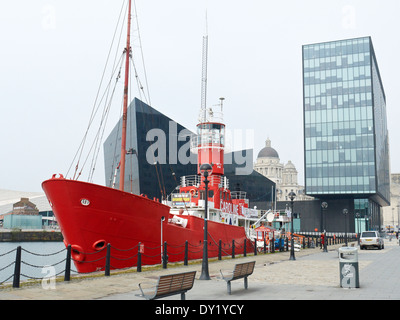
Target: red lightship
91	216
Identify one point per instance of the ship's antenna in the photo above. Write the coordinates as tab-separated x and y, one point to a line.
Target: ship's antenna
203	115
221	103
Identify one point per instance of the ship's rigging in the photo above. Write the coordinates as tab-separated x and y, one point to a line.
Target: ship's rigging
118	66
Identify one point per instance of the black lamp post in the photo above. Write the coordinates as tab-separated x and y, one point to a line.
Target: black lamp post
205	169
345	212
292	195
324	206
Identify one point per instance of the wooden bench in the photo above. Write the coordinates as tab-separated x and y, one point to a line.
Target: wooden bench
241	270
168	285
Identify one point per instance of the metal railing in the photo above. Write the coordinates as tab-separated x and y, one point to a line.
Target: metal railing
195	181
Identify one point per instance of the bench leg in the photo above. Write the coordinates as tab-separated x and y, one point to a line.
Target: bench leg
183	297
245	283
228	285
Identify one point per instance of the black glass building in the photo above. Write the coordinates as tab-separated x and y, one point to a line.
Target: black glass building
345	128
159	155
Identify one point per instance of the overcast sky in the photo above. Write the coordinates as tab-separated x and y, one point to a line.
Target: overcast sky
53	53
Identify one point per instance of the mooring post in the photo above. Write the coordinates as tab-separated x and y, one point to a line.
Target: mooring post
108	257
67	274
17	268
185	262
165	257
139	259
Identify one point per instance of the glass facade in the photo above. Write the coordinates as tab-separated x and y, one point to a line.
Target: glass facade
345	134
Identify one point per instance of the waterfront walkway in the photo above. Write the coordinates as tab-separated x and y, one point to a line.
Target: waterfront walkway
314	275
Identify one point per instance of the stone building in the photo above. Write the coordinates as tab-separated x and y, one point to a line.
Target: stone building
25	215
391	214
284	175
25	207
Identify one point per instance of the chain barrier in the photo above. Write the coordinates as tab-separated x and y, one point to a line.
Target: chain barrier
189	252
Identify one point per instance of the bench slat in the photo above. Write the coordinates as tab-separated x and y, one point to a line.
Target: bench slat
175	283
241	270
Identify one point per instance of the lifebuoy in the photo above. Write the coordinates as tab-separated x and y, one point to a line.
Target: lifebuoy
192	192
77	253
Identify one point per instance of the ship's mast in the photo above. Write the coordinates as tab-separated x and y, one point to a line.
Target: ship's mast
203	107
209	143
203	112
125	108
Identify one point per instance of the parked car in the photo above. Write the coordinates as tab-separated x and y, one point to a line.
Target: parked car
371	239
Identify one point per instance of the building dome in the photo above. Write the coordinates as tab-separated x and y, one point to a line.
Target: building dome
290	165
267	151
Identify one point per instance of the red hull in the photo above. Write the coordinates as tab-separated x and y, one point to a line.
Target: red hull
90	216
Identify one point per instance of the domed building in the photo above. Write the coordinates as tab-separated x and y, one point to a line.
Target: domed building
284	175
268	163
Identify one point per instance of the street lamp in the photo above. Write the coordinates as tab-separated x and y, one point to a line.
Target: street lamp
292	195
324	206
205	170
345	212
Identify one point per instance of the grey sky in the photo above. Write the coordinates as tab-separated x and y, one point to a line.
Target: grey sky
53	53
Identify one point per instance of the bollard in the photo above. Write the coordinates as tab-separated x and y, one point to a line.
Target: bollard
233	249
273	245
255	247
17	268
185	261
219	249
165	256
108	257
139	259
67	274
245	248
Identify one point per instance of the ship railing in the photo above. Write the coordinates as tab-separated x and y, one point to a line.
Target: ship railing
239	195
281	216
184	200
251	213
195	181
192	180
211	116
